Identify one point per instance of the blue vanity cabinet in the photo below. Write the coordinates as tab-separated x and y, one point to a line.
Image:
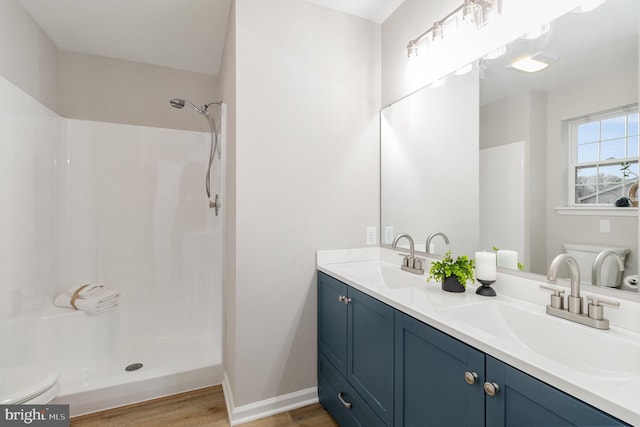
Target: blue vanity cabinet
523	401
431	387
379	367
356	337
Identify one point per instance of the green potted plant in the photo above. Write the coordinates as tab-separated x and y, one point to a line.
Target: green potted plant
453	274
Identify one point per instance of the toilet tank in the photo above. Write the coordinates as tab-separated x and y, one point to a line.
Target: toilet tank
586	254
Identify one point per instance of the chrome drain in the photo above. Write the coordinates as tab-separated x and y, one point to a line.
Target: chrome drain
133	367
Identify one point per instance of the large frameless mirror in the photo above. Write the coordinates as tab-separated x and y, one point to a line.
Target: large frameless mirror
554	150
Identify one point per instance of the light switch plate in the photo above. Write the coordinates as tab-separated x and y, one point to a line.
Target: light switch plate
371	235
388	234
605	226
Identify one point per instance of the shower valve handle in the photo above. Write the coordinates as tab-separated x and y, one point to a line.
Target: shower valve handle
215	204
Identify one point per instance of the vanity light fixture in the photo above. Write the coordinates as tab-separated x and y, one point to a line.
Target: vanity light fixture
476	12
534	63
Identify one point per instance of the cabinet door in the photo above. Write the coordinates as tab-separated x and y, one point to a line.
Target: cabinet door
430	388
523	401
370	352
332	321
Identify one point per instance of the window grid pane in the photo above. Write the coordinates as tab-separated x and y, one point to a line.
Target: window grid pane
602	148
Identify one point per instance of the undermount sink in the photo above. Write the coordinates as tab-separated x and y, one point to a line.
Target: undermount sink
601	353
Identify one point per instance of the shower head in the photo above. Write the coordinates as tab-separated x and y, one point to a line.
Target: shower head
177	103
180	103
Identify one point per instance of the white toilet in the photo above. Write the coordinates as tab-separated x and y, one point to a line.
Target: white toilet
28	385
586	254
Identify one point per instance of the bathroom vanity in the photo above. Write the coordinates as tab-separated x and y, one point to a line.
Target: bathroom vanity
394	350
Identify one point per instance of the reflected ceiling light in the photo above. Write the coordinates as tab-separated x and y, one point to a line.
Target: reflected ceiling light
538	31
496	53
588	5
464	70
534	63
471	11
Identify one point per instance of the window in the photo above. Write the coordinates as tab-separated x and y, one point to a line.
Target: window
604	157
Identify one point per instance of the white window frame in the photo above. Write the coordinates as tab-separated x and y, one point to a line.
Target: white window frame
573	152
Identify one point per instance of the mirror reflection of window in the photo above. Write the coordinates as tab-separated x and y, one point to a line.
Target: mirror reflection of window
604	157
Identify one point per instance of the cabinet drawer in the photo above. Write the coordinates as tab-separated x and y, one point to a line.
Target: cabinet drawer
332	387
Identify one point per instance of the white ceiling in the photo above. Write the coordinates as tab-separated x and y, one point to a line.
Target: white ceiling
182	34
586	44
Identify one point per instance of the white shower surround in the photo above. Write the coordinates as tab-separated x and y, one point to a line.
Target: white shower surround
122	205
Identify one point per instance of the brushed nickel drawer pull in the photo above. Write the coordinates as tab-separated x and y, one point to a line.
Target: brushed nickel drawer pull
346	404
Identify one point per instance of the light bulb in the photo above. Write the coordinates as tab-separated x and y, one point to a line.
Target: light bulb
437	33
412	49
469	12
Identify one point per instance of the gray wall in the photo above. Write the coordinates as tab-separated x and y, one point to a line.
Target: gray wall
522	117
600	93
306	177
104	89
537	118
29	58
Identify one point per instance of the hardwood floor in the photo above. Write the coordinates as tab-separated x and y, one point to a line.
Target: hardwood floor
198	408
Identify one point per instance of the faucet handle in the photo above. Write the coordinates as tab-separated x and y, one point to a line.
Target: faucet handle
597	301
557	299
405	259
595	309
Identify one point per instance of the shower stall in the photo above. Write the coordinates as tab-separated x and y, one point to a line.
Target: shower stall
123	206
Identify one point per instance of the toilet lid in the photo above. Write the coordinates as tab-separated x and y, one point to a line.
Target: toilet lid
22	383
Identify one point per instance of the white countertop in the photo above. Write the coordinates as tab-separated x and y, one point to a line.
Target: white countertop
600	367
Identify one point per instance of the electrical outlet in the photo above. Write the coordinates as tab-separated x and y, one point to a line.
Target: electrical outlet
371	235
388	234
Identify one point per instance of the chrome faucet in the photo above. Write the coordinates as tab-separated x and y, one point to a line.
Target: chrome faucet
409	262
596	269
595	313
427	245
574	300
